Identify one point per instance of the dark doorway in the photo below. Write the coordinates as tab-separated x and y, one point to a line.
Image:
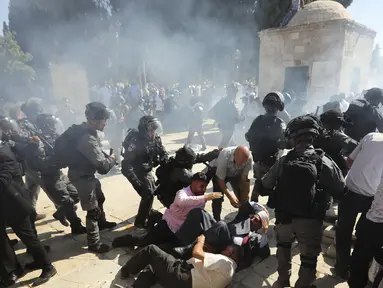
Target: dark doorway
296	81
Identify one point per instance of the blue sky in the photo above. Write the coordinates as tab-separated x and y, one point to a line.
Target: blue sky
367	12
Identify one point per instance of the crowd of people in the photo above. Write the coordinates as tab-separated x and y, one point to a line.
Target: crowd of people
302	162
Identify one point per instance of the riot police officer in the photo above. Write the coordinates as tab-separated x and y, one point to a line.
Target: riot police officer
196	122
333	141
227	115
265	136
81	148
31	108
143	150
177	173
301	182
56	184
364	115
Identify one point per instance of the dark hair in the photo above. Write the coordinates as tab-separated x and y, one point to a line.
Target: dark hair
200	176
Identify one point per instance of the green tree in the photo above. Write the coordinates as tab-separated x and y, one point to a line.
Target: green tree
15	73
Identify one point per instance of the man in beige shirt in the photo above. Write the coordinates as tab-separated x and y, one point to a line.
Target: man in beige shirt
203	270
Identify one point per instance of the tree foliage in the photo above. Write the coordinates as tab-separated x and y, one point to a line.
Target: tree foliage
15	73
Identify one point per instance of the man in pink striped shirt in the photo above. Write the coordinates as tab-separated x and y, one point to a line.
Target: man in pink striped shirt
190	199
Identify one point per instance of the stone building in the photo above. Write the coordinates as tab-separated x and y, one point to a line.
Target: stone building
321	52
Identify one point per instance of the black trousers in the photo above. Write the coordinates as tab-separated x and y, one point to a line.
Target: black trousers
157	235
368	243
216	204
160	267
349	207
26	231
196	223
64	194
147	196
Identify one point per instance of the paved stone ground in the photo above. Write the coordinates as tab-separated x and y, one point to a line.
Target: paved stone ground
79	269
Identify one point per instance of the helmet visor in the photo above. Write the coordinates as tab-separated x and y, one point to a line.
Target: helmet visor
154	128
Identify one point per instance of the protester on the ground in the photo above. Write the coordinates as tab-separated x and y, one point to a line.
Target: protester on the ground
191	198
204	270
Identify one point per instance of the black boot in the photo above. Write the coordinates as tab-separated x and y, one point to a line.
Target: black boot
102	248
59	215
48	273
102	225
78	229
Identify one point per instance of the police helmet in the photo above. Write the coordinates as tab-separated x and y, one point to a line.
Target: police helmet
374	95
274	99
287	97
32	107
96	111
47	122
7	124
186	156
149	123
301	125
332	117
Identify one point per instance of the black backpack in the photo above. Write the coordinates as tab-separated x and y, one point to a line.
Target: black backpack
297	186
65	147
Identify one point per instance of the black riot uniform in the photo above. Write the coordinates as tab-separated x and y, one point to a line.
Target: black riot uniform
31	108
227	115
333	141
177	172
364	115
196	122
301	182
17	211
80	149
143	150
265	137
54	181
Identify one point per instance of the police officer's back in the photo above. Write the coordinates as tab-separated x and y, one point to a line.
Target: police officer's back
302	181
143	150
364	115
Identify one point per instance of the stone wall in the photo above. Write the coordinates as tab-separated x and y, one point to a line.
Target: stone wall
357	53
330	49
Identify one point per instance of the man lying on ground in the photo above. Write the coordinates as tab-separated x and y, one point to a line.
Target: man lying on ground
203	270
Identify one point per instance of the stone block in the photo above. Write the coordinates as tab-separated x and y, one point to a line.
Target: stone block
294	35
299	49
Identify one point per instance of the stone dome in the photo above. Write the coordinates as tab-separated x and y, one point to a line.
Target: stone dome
320	11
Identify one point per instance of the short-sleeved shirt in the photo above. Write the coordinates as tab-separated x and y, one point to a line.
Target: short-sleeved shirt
366	171
226	166
216	271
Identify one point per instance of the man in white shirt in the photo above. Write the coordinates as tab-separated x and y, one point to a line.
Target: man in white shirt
203	270
362	182
369	241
